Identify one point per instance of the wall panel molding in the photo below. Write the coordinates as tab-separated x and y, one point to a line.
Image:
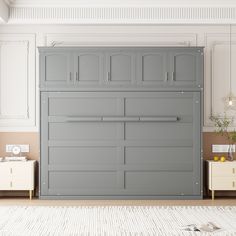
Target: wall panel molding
4	78
17	82
126	14
121	39
217	75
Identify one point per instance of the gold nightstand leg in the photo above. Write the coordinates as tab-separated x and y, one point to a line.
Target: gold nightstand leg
30	194
212	194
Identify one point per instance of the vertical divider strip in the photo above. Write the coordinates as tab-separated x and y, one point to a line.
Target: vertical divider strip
120	164
124	142
120	146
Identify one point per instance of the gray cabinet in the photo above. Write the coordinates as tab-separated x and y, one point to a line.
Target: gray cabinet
186	68
88	67
120	144
152	67
121	122
56	69
171	67
120	67
114	67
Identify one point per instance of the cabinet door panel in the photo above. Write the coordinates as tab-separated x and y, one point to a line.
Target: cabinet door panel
72	105
186	68
82	180
153	68
171	158
158	131
163	183
90	155
161	104
56	69
85	131
120	68
88	68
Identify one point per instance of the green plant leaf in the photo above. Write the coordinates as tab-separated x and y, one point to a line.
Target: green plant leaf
222	124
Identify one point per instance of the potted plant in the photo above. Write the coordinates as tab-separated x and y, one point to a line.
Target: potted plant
222	124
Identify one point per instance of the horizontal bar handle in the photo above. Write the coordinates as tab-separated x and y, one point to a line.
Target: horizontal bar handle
124	119
120	119
85	119
159	118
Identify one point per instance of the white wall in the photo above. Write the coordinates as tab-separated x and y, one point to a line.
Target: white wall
4	11
20	110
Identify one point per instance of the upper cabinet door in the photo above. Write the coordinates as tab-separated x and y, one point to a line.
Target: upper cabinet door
88	68
56	69
120	68
186	68
152	68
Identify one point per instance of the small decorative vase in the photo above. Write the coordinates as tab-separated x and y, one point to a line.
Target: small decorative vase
231	152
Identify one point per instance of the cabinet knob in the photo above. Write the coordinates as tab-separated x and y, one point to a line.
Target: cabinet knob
233	184
11	170
11	184
173	76
233	170
166	76
108	76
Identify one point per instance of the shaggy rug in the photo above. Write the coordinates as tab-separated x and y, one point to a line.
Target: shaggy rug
116	220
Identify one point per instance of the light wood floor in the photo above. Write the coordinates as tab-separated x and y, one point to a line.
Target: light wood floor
37	202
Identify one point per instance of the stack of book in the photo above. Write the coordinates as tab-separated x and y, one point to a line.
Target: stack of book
15	159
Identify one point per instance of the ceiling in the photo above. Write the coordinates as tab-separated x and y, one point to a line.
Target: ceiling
69	3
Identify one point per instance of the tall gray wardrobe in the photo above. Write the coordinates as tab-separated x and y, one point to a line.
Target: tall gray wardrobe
121	122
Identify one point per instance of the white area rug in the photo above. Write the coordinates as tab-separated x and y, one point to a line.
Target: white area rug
112	220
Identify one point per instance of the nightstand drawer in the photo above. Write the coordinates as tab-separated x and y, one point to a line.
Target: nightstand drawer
17	175
223	183
223	169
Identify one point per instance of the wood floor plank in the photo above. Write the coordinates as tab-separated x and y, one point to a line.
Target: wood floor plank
37	202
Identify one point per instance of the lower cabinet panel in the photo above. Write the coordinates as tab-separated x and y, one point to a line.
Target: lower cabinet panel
153	130
163	183
144	147
82	180
84	131
83	155
131	183
159	155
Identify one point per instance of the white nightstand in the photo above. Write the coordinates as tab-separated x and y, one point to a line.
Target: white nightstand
221	176
17	175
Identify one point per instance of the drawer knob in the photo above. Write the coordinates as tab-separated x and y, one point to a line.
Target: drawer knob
11	184
108	76
166	76
233	184
233	170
